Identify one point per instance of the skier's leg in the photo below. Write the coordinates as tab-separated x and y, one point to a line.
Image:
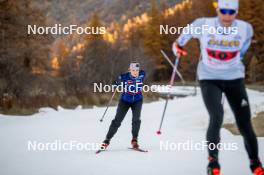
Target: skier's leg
116	122
136	111
237	97
212	96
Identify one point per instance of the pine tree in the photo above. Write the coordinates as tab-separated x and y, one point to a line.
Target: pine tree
153	40
252	12
252	70
95	63
22	54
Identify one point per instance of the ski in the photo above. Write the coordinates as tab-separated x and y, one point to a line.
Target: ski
134	149
139	150
99	151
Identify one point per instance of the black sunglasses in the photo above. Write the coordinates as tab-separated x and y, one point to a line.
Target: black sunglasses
227	11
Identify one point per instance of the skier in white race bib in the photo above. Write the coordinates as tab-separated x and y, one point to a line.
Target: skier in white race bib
223	42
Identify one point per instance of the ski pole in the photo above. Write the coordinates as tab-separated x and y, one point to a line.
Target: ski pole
172	65
110	101
169	93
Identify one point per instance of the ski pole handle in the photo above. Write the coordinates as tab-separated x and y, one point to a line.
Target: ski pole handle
178	50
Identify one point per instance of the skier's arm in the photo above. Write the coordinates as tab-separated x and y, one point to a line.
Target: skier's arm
247	42
119	80
186	36
142	73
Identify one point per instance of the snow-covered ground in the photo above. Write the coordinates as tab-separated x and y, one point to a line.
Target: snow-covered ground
186	120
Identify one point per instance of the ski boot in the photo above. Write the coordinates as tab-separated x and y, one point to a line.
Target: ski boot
256	167
105	144
134	143
213	167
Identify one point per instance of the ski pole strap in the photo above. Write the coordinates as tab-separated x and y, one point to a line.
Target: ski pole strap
181	51
178	50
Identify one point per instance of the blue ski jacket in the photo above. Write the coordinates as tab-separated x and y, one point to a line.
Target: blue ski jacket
132	86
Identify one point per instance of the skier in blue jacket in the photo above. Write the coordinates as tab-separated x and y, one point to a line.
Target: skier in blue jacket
131	97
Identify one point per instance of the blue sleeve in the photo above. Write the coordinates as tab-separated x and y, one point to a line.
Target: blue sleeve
142	74
121	78
247	42
186	35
